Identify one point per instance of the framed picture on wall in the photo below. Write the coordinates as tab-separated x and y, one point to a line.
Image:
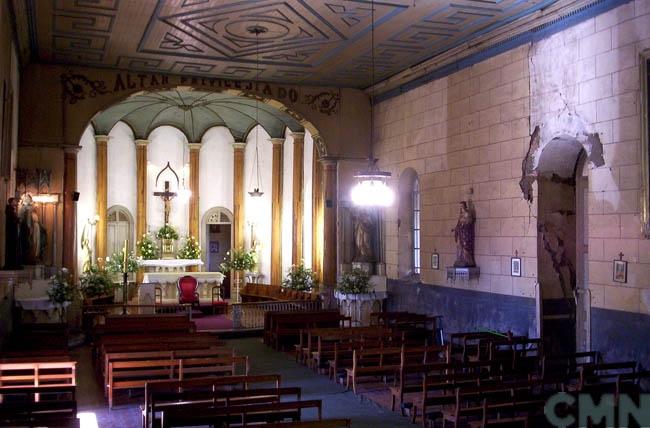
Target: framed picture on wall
515	266
214	246
620	271
435	261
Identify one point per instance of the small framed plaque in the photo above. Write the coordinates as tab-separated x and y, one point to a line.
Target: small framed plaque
515	266
435	261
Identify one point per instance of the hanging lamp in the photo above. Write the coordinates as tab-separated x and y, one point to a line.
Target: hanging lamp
256	192
372	187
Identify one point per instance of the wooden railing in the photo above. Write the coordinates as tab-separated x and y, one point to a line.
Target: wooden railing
251	315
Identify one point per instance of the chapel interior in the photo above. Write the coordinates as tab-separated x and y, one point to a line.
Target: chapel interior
324	213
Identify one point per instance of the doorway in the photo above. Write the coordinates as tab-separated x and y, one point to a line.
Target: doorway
217	241
562	248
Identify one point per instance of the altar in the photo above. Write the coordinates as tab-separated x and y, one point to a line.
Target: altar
169	265
165	282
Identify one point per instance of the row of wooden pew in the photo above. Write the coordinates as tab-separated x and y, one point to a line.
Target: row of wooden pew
476	379
191	378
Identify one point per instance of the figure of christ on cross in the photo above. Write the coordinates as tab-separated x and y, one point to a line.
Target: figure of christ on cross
167	197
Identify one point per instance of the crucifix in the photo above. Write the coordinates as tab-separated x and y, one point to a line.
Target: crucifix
167	195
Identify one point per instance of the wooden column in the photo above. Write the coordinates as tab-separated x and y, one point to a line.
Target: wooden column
102	195
276	212
317	216
329	228
238	194
194	187
298	201
141	189
69	209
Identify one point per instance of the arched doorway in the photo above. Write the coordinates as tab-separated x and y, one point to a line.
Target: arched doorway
562	250
119	229
216	239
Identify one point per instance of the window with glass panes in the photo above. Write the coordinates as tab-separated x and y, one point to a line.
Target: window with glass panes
416	226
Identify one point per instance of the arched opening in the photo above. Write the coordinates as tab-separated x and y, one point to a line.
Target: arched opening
216	239
561	245
119	229
408	224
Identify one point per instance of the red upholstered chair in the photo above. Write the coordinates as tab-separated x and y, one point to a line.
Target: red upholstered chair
187	290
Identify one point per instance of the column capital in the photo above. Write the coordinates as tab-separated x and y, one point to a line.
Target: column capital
71	149
101	138
329	161
194	146
298	136
239	145
276	141
141	142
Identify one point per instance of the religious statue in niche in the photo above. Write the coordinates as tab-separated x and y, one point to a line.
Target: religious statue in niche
11	235
464	235
364	230
32	235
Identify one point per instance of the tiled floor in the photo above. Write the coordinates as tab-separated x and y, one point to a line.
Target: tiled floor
337	402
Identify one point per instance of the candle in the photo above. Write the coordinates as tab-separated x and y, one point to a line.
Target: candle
125	246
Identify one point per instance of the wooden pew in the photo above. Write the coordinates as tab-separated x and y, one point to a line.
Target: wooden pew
153	404
287	325
38	393
136	373
598	378
323	423
382	362
317	356
567	365
35	406
264	411
159	355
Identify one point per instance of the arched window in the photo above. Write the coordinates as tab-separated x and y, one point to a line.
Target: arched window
416	225
409	258
119	227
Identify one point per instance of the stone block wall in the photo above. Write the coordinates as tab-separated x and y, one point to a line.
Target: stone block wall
466	133
472	129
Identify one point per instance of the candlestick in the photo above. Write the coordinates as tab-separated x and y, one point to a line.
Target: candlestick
125	247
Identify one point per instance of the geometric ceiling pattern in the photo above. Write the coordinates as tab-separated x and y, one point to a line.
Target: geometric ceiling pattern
193	113
320	42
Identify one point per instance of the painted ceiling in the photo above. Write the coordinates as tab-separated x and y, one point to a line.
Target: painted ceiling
320	42
194	112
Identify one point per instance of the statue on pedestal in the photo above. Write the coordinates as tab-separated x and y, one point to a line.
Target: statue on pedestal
32	236
364	229
464	236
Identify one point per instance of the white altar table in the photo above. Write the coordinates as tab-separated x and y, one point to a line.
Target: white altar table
42	305
167	283
169	265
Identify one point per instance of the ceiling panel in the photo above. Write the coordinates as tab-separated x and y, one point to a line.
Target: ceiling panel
324	42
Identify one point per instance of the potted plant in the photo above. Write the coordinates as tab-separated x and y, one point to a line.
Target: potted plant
61	292
238	261
191	249
96	285
300	278
147	247
119	264
356	281
167	235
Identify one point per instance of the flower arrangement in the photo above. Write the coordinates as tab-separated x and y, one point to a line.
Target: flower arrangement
115	263
61	290
300	278
355	282
96	282
239	260
147	247
167	232
191	249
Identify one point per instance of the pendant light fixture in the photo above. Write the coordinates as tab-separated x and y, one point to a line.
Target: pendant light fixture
256	192
372	187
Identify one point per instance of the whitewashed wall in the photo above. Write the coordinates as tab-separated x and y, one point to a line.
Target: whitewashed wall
287	203
259	211
215	173
86	186
167	144
121	169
